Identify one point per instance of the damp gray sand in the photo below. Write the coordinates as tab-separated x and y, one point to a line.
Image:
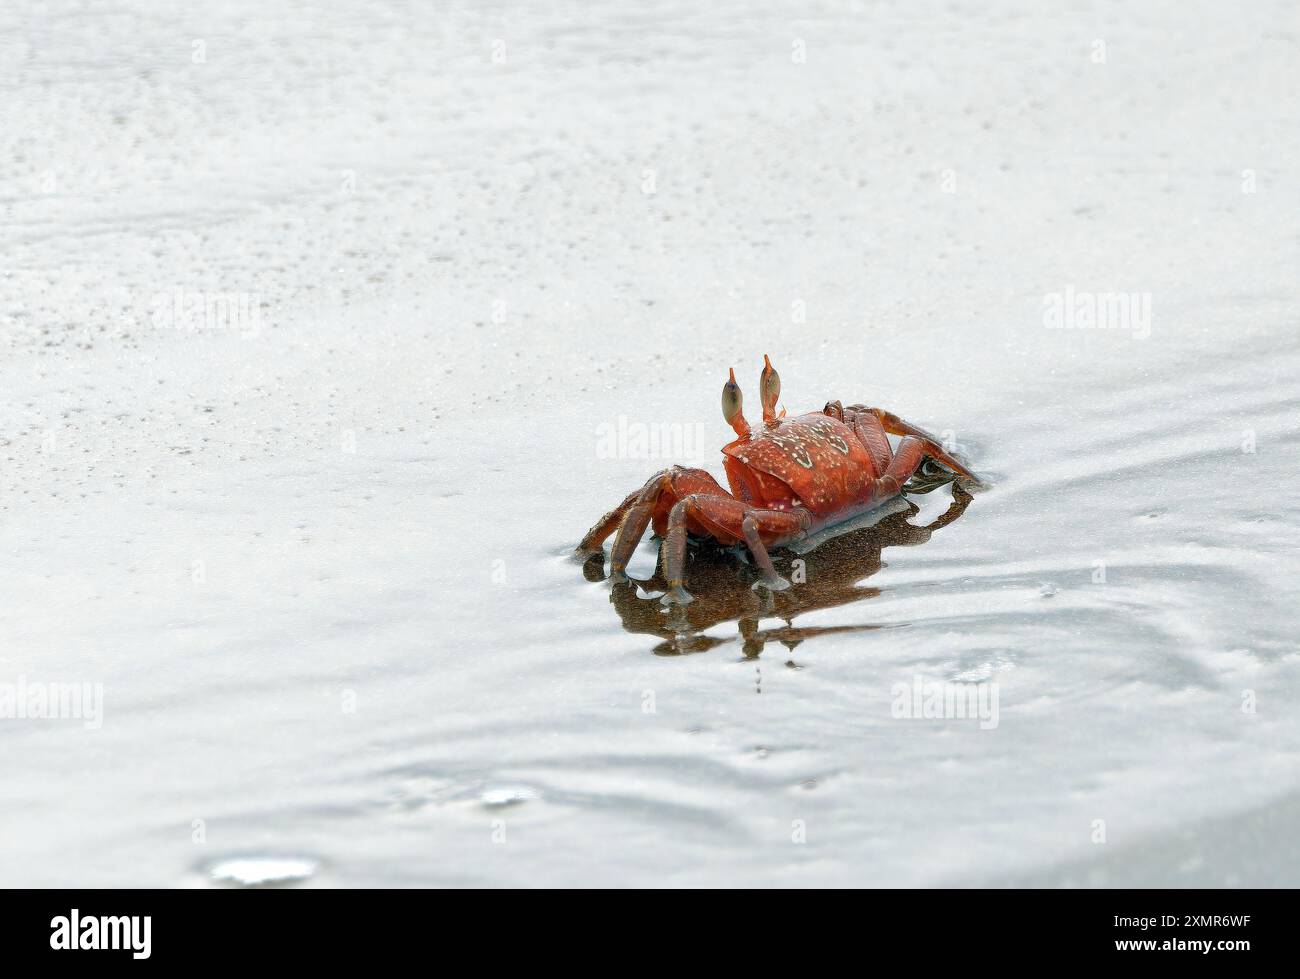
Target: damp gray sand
314	332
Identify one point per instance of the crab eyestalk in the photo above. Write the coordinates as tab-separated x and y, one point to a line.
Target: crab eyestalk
769	389
732	406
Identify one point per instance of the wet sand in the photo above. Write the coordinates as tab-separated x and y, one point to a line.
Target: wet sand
317	555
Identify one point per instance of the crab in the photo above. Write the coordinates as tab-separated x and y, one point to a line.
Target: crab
790	479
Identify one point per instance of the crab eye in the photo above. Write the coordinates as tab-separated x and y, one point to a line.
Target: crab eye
731	399
769	386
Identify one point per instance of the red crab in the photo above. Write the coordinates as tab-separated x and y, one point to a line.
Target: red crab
790	479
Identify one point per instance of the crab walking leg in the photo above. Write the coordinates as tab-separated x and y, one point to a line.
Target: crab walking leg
660	491
909	455
726	519
896	426
754	540
607	524
871	434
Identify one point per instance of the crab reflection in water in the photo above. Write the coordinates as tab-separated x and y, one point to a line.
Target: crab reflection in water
831	575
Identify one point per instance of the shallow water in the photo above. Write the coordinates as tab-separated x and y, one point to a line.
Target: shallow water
319	563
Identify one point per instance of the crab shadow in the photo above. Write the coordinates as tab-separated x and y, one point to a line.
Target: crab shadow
721	581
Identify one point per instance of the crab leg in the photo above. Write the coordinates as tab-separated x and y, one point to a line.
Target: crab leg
909	455
606	525
726	519
871	434
660	492
894	425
